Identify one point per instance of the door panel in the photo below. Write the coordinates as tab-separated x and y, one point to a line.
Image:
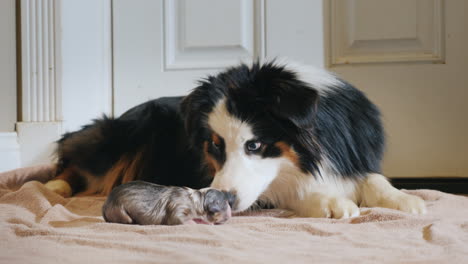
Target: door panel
208	33
364	31
162	47
423	95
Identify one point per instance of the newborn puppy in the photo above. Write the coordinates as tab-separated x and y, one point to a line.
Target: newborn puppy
147	203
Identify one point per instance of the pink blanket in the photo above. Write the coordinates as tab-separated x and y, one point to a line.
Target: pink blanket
38	226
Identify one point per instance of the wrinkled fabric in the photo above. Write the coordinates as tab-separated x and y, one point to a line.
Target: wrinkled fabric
39	226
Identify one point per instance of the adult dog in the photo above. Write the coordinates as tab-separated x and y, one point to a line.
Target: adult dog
294	137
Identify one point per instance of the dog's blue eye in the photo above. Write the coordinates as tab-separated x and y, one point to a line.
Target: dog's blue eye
253	145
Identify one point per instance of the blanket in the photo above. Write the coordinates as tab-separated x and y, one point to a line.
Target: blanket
39	226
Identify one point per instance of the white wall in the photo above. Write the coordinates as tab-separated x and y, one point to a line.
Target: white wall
9	149
85	61
7	66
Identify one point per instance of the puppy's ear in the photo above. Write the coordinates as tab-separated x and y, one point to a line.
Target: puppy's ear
296	103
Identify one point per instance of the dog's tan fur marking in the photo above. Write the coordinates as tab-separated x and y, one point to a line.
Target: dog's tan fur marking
288	152
212	163
125	170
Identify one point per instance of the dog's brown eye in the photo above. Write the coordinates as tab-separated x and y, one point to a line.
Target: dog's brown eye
253	145
216	145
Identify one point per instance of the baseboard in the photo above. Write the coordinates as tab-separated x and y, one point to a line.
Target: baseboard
37	141
455	185
9	151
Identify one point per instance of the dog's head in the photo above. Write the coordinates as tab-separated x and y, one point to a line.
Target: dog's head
250	122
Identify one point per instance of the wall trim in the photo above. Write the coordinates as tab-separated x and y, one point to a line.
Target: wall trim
39	90
53	92
9	151
32	150
40	113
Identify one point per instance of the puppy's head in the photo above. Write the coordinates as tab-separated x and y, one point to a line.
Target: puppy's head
217	205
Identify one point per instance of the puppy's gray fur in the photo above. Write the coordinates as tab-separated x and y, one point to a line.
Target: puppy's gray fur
147	203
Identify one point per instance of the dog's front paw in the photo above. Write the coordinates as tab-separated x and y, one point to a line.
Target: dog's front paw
343	208
405	202
331	207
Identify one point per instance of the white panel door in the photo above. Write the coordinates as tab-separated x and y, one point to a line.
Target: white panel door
161	48
411	58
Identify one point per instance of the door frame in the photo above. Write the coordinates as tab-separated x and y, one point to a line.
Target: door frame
49	71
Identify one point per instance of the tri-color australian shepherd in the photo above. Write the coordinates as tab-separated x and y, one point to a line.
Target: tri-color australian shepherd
285	135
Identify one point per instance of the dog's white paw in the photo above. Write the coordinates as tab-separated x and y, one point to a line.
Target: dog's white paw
343	208
332	207
60	187
404	202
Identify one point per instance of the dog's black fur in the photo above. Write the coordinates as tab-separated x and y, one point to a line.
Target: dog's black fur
344	126
169	133
154	128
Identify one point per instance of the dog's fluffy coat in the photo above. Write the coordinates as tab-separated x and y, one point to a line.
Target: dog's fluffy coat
294	137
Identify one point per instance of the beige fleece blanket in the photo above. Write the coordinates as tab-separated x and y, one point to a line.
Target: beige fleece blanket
38	226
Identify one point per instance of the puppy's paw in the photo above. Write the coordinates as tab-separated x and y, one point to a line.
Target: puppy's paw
60	187
332	207
405	202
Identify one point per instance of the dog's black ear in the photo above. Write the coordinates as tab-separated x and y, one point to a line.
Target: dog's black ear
195	107
191	108
188	107
295	102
